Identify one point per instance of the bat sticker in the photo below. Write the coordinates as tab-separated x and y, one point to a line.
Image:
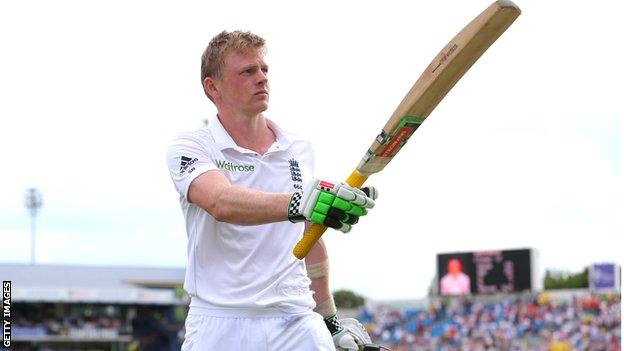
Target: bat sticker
391	143
400	135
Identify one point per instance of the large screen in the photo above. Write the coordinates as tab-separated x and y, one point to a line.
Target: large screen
484	272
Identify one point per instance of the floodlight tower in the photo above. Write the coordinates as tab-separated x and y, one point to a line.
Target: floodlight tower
33	201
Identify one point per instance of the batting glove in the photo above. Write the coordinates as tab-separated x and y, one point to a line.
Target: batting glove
334	205
348	333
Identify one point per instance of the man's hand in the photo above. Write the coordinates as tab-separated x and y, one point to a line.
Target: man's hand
348	333
334	205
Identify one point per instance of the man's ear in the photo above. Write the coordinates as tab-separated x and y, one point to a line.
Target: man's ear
210	87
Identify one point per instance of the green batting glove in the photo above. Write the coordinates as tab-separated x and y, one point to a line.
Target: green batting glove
334	205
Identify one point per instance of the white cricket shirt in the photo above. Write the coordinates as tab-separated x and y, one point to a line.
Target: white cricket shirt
235	269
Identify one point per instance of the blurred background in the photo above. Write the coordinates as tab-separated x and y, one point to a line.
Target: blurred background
504	306
516	177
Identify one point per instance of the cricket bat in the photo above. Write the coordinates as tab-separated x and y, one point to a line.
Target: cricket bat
434	83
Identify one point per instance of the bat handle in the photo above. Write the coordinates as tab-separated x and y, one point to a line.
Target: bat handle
310	237
315	231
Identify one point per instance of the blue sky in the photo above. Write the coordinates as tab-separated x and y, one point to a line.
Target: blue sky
526	150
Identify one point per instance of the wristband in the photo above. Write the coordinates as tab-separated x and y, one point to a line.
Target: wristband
333	325
294	208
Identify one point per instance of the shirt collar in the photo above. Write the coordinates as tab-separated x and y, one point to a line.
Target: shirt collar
223	140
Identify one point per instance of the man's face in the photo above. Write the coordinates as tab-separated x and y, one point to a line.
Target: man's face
454	266
244	85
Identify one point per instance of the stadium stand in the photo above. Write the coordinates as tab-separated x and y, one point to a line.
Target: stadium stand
130	308
58	307
562	321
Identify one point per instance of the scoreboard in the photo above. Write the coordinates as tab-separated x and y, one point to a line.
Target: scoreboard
484	272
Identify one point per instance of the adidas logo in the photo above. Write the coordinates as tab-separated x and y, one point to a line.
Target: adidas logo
185	163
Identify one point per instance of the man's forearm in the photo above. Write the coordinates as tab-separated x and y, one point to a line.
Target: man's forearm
318	271
320	286
250	207
234	204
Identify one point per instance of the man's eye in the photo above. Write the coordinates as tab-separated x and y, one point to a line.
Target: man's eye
265	70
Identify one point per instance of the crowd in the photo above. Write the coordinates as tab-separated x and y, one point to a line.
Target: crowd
48	319
152	328
526	322
529	322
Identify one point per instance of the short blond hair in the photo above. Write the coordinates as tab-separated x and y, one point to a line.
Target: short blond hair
213	58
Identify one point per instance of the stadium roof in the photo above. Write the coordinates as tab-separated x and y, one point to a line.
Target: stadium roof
91	276
57	283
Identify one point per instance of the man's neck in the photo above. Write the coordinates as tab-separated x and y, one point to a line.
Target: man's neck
250	132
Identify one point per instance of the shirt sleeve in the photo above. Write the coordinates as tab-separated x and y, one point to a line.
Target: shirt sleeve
188	158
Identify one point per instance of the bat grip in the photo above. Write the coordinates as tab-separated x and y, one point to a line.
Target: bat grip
315	231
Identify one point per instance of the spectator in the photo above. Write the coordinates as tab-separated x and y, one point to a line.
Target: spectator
532	322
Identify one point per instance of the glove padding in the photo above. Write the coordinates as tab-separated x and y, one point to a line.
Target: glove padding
352	337
334	205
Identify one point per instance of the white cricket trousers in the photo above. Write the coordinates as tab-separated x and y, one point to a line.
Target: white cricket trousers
301	332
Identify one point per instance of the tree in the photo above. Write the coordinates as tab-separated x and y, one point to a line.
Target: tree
348	299
566	280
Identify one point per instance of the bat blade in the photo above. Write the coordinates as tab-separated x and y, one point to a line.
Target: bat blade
434	83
